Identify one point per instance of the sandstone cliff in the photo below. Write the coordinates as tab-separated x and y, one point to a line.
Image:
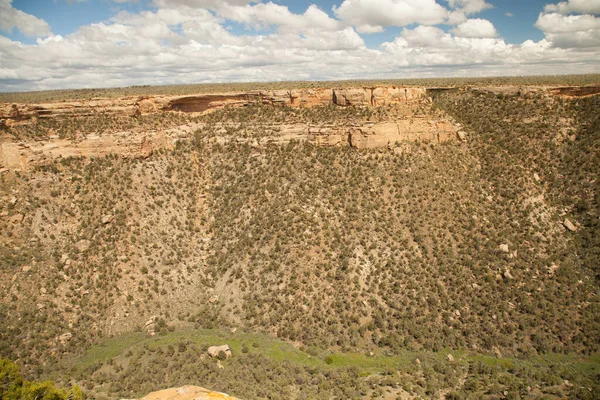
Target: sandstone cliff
15	113
412	120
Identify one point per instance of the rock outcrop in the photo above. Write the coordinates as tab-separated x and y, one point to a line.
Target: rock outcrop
577	91
214	351
21	155
187	393
135	106
405	125
367	135
569	225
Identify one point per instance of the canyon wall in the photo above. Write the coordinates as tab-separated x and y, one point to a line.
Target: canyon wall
405	126
132	106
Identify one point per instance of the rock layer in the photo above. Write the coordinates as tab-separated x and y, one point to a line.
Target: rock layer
15	113
22	155
405	126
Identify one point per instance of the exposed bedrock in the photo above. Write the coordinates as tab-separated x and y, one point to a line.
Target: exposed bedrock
379	96
199	104
368	135
577	91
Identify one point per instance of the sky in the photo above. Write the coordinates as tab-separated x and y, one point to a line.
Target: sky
60	44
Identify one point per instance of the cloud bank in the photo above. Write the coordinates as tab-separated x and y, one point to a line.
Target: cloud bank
192	41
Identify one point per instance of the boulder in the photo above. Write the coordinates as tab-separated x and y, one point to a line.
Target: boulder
83	245
65	337
17	219
64	258
450	358
186	393
497	352
107	219
214	351
503	248
569	225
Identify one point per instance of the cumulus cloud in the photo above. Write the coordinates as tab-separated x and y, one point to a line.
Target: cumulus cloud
206	4
372	15
557	23
29	25
575	6
262	16
570	31
476	28
469	6
565	26
431	46
187	41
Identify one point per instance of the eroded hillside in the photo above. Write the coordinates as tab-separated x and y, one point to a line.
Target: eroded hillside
444	220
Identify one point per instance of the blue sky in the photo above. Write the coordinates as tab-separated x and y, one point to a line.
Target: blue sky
49	44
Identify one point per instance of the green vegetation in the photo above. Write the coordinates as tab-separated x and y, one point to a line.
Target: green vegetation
134	364
14	387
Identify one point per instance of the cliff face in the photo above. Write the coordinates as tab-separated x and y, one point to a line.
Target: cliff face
132	106
304	98
408	117
411	119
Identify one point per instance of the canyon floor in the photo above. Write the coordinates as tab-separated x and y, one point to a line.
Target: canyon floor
348	240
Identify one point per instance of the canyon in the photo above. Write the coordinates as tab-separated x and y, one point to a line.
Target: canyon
359	242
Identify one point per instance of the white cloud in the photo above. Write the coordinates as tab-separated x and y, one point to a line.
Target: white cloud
476	28
261	16
180	41
456	17
206	4
557	23
114	1
570	31
28	24
469	6
430	46
575	6
372	15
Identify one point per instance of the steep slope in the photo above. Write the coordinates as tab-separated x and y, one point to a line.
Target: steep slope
415	245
